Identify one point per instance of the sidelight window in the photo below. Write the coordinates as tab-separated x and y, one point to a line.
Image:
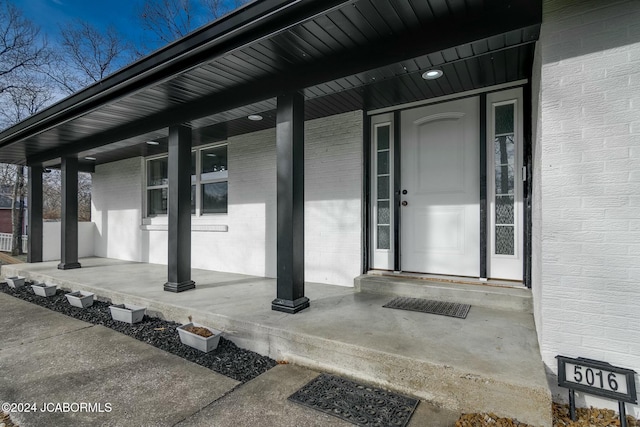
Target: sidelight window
504	146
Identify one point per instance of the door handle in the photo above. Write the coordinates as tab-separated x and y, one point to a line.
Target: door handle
404	203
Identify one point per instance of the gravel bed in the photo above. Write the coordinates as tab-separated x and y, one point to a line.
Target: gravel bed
228	359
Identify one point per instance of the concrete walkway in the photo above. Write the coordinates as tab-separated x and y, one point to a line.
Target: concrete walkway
49	359
488	362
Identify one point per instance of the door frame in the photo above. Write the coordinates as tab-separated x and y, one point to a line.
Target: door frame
369	193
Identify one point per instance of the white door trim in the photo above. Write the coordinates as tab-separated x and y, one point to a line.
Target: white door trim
458	95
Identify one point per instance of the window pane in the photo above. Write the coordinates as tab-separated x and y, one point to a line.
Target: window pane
504	180
504	210
384	241
214	163
214	197
157	202
383	163
193	200
504	240
193	167
505	150
157	172
384	215
383	187
504	118
383	137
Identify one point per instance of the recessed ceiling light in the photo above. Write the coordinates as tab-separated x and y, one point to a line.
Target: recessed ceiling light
153	143
89	158
211	155
432	74
255	117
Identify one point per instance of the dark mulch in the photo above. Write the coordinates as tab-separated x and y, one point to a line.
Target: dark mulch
228	359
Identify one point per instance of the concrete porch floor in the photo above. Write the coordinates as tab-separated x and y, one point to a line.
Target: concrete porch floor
489	361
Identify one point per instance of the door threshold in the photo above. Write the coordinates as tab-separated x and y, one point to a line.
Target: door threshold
448	279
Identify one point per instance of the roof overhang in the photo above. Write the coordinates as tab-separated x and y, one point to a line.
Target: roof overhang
344	55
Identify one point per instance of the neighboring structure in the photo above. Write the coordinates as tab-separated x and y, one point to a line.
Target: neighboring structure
6	201
318	140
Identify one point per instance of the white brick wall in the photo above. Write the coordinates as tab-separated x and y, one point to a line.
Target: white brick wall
116	209
51	238
333	183
333	204
586	244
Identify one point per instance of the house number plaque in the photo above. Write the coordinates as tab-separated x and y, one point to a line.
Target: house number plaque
597	378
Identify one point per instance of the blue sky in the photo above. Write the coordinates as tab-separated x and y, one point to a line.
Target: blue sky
50	14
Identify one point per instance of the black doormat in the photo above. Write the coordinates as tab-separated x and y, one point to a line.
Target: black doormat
451	309
356	403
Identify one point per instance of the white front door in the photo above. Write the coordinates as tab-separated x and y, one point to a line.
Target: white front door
440	212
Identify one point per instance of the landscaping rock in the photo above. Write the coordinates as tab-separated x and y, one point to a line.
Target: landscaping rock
228	359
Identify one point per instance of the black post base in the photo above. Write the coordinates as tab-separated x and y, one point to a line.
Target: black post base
68	265
179	287
288	306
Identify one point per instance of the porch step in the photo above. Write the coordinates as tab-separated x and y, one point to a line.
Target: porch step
482	295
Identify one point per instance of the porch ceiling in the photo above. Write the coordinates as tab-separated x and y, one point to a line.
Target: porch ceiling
344	55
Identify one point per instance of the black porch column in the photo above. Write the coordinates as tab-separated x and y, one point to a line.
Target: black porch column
290	172
179	210
34	242
69	227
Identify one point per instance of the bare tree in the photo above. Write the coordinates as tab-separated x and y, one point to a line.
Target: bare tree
23	53
167	20
88	55
218	8
22	50
52	196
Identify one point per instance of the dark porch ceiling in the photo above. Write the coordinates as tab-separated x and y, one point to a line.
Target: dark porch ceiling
344	55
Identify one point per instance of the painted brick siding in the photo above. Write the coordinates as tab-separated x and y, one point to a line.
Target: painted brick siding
116	209
587	228
333	183
333	203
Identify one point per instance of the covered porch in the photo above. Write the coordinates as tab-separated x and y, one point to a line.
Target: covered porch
489	361
268	70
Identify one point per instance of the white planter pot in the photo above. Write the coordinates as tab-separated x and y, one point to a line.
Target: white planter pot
127	313
80	299
198	342
15	282
43	289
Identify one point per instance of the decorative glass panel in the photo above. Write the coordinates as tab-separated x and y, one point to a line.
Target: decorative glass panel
504	210
384	215
383	187
157	202
214	163
504	149
383	137
157	172
384	240
504	119
504	240
383	168
383	162
214	197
